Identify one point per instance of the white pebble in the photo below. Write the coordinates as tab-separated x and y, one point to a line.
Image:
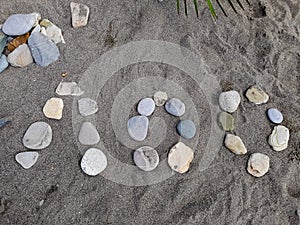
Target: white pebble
258	164
93	162
229	101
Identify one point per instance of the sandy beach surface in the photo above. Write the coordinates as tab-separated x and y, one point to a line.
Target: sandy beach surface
258	46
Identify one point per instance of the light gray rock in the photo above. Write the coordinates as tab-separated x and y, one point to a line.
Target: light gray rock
19	24
146	106
53	32
68	88
258	164
235	144
146	158
160	98
180	157
88	135
279	138
87	106
80	14
175	107
38	136
20	57
186	129
27	159
137	127
93	162
229	101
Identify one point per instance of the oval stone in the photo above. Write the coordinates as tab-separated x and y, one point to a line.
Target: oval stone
18	24
186	129
226	121
93	162
279	138
275	116
256	95
175	107
146	158
27	159
87	106
137	127
258	164
38	136
146	106
235	144
229	101
53	108
88	135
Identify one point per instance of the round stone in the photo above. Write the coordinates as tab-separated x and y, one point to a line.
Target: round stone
38	136
256	95
226	121
186	129
146	107
229	101
279	138
137	127
146	158
93	162
18	24
160	98
53	108
235	144
27	159
88	135
175	107
180	157
275	116
258	164
87	106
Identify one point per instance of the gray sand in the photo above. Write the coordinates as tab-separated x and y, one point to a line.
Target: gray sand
261	46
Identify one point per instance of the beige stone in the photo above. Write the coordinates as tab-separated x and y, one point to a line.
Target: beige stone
53	108
256	95
235	144
80	14
258	164
180	157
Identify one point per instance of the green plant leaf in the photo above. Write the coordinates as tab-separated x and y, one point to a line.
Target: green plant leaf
211	8
178	6
196	8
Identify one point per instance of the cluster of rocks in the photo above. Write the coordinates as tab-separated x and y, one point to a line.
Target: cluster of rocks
146	158
258	163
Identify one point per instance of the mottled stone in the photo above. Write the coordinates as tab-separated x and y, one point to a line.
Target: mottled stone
27	159
146	158
20	57
279	138
226	121
229	101
68	88
80	14
53	108
137	127
180	157
274	115
160	98
38	136
258	164
18	24
18	41
146	106
87	106
256	95
175	107
186	129
88	135
235	144
3	63
93	162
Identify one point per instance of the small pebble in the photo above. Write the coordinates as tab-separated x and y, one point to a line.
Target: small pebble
226	121
19	24
4	121
256	95
3	63
27	159
88	135
53	108
80	14
20	57
229	101
235	144
137	127
180	157
146	107
68	88
38	136
275	116
146	158
160	98
279	138
18	41
93	162
186	129
54	33
87	106
258	164
175	107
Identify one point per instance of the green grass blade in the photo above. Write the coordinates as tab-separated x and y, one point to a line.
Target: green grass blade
178	6
232	6
240	4
185	8
219	4
211	8
196	8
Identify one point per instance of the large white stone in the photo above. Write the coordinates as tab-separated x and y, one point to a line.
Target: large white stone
279	138
27	159
235	144
93	162
146	158
229	101
38	136
180	157
258	164
53	108
80	14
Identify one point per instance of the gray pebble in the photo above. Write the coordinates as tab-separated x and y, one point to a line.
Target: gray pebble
137	127
275	116
27	159
38	136
186	129
146	158
146	106
87	106
175	107
93	162
18	24
88	135
229	101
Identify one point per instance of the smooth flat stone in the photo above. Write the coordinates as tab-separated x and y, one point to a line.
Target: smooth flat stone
20	57
274	115
258	164
256	95
38	136
18	24
137	127
146	158
180	157
226	121
27	159
3	41
87	106
235	144
80	14
53	32
18	41
53	108
3	63
175	107
43	50
229	101
186	129
279	138
93	162
88	135
146	107
68	88
160	98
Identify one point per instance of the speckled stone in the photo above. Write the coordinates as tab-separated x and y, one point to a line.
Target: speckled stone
186	129
274	115
80	14
256	95
160	98
93	162
53	108
226	121
235	144
137	127
229	101
88	135
18	24
175	107
180	157
146	158
258	164
146	106
27	159
38	136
